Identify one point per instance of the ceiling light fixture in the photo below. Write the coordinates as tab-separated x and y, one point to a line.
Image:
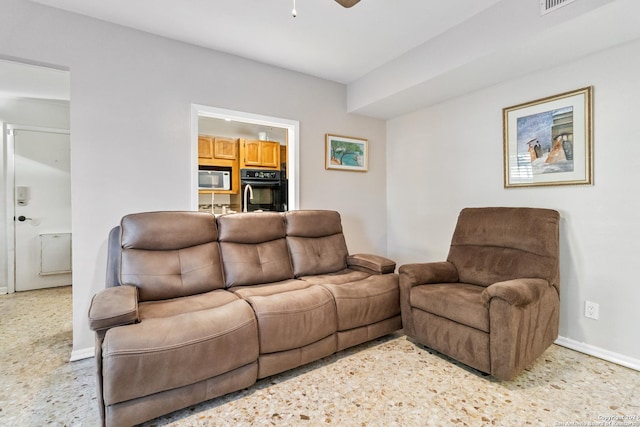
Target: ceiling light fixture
347	3
350	3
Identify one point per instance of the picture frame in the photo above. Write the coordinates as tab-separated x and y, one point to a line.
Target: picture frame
346	153
549	141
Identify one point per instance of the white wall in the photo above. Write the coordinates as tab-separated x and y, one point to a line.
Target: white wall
131	94
449	156
27	113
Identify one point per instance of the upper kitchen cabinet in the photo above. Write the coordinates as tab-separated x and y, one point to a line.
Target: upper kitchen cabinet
261	154
212	148
225	148
205	148
222	154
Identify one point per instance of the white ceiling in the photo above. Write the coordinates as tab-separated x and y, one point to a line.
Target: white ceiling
395	56
324	40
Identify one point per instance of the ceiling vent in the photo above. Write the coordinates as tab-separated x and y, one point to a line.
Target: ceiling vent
547	6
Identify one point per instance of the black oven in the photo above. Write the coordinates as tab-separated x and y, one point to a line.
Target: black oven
266	186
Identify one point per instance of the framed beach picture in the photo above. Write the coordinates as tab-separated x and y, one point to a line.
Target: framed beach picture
549	141
346	153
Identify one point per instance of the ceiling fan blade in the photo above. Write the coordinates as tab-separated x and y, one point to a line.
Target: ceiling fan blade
348	3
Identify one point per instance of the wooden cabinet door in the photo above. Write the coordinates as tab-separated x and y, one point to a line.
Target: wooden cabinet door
205	147
225	148
252	153
270	152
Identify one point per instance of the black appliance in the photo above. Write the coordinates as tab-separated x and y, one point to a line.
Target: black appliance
268	192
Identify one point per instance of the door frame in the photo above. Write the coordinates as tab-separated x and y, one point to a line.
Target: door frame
293	144
10	195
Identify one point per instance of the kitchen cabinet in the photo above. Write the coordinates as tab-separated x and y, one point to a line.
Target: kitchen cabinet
225	148
205	147
214	147
221	152
260	154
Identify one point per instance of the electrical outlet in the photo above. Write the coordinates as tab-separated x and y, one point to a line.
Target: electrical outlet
591	310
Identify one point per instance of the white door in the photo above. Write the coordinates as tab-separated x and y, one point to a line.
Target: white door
42	200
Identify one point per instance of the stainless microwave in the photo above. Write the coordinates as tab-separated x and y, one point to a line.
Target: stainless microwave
211	179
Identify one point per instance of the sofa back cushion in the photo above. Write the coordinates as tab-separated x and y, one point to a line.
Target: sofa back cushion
316	242
494	244
170	254
254	250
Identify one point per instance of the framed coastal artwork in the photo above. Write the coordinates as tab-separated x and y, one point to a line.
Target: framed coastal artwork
346	153
549	141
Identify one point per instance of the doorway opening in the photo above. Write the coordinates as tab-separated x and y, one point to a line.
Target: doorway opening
35	118
281	129
36	99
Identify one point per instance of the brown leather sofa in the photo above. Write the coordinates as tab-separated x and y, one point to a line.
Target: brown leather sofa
196	307
494	304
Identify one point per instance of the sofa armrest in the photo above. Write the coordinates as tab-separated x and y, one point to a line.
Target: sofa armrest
412	275
524	319
516	292
371	263
430	272
113	307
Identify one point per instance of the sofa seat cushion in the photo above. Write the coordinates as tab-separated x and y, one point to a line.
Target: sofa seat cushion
346	275
175	306
164	353
460	302
366	301
267	289
293	319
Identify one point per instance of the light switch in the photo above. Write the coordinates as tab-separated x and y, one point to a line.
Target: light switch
22	195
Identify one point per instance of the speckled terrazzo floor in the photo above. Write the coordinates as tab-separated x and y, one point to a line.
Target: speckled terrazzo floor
391	381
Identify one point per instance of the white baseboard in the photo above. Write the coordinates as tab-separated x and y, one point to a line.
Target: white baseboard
4	290
600	353
83	353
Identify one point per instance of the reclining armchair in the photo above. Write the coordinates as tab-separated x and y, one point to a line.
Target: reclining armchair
494	304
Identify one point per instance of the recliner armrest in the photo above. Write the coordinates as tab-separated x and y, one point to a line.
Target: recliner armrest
430	272
371	263
516	292
113	307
